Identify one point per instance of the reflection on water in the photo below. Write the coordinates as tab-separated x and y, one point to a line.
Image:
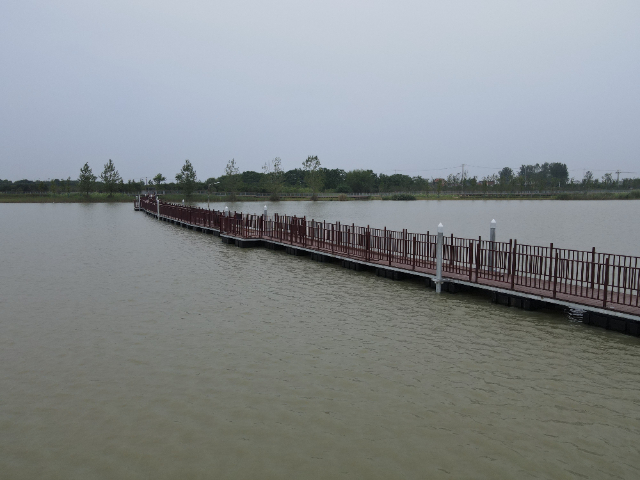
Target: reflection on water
132	348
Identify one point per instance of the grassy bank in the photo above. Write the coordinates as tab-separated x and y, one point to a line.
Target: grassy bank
63	198
631	195
176	198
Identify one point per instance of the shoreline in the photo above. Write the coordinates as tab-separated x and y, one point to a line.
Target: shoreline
199	198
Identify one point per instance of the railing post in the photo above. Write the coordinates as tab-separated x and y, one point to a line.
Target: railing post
439	258
427	251
555	276
452	252
514	250
384	247
368	244
332	237
353	239
478	257
413	262
405	244
470	262
313	232
492	243
593	268
606	283
507	262
158	205
324	234
304	231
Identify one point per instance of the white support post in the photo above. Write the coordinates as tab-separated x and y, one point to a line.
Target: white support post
158	205
226	211
492	243
439	258
265	213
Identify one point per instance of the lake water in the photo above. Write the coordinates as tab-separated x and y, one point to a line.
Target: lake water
132	348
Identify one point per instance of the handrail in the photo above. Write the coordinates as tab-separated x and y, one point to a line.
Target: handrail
589	276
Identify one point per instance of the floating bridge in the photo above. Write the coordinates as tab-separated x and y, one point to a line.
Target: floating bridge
604	286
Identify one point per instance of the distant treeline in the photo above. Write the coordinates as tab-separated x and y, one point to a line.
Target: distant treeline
314	178
57	186
547	176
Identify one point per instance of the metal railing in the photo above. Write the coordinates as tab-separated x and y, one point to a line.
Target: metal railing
588	277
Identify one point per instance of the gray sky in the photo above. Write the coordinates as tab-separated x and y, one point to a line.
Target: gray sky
412	86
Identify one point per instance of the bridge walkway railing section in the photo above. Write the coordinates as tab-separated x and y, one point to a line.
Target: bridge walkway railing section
591	278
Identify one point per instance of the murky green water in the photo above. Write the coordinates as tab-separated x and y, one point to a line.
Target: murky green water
131	348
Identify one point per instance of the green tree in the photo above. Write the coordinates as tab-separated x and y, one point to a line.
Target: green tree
24	185
294	178
273	177
42	187
232	174
110	177
398	182
361	181
333	178
559	173
313	175
187	178
53	187
529	173
419	184
231	168
67	185
587	180
251	181
86	180
506	177
133	187
212	184
158	179
488	181
213	181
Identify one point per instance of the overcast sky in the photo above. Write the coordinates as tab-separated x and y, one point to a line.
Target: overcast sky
412	86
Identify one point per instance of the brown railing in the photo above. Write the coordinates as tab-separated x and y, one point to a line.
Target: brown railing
587	277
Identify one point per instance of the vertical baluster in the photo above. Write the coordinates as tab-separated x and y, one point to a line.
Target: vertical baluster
413	252
478	257
555	275
514	253
470	260
368	244
606	283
